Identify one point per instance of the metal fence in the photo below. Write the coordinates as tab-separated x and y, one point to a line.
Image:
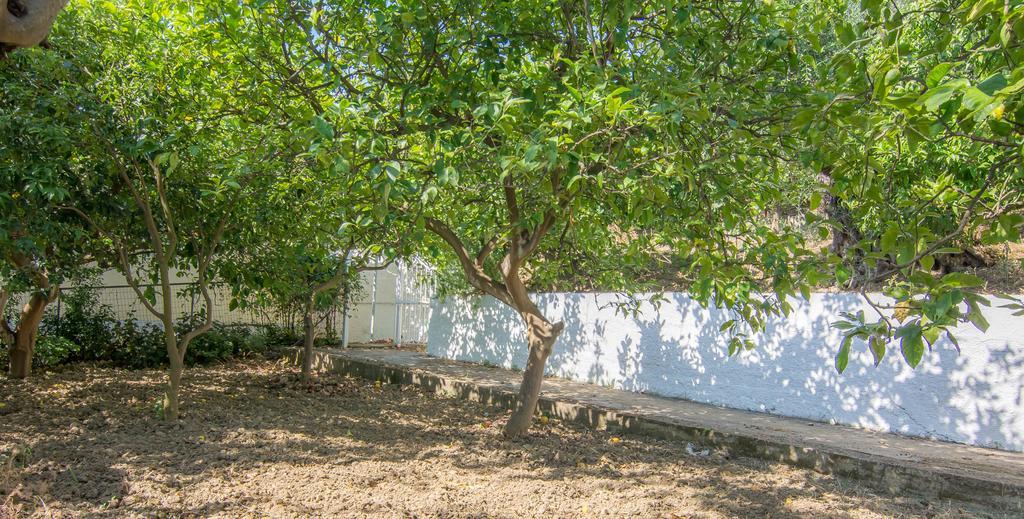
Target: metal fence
121	303
392	306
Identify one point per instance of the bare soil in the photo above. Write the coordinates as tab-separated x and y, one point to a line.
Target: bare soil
87	442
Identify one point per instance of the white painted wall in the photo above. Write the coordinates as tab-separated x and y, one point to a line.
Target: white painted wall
976	397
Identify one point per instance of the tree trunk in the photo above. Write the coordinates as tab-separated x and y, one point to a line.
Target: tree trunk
25	336
541	336
176	356
844	232
26	23
309	336
172	398
21	355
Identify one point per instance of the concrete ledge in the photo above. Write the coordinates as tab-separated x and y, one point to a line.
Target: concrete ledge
890	462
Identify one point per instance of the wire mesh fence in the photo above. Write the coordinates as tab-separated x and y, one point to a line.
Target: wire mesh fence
393	305
123	304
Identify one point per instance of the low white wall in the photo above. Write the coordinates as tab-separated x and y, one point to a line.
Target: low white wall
976	397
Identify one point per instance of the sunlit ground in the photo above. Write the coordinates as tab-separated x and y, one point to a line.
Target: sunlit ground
88	442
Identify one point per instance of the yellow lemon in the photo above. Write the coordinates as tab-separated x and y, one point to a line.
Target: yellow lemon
997	112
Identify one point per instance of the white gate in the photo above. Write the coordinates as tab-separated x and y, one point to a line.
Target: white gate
393	305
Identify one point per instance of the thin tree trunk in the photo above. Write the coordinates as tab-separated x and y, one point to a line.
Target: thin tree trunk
541	333
541	336
172	398
25	336
309	336
308	328
176	356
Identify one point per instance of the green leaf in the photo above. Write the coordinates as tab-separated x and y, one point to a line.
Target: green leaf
962	280
927	262
936	75
1003	229
889	239
877	346
936	97
735	346
150	294
1012	88
804	117
976	318
815	200
323	127
173	161
619	91
992	84
975	99
979	8
429	194
843	357
341	165
911	343
843	274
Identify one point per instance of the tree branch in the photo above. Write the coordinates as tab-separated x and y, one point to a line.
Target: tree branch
172	235
510	201
486	250
134	284
474	273
203	281
6	332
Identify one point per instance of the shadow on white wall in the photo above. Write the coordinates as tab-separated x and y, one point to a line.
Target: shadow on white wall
676	350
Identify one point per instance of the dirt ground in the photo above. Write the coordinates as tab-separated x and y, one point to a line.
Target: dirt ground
254	443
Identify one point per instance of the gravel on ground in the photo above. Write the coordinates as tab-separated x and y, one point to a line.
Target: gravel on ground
87	441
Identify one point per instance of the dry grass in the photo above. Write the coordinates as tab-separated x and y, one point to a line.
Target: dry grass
254	443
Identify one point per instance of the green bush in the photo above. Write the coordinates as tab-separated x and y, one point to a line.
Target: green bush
86	330
84	321
137	345
227	341
215	345
52	350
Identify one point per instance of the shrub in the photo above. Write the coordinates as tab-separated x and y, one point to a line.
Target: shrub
84	321
226	341
219	343
52	350
137	345
86	330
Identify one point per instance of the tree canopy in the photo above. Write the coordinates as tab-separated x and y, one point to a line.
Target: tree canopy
915	114
532	145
